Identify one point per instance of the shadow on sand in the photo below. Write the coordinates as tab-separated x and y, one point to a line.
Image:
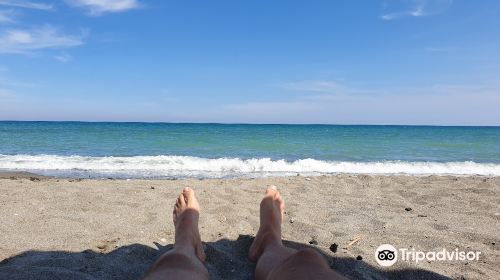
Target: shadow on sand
226	259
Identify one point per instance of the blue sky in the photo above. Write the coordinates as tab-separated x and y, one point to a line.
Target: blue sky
321	61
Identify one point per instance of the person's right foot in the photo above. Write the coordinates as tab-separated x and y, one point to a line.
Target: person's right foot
185	215
272	209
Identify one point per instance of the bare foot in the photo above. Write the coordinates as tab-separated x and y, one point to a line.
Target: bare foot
272	208
186	214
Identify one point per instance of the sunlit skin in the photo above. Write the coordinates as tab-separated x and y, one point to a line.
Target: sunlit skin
274	260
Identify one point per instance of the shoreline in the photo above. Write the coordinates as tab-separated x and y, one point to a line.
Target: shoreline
116	228
9	174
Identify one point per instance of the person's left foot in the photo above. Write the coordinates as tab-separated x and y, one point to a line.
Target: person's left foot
272	209
186	214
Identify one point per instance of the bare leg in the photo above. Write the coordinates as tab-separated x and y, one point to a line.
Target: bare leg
275	261
185	261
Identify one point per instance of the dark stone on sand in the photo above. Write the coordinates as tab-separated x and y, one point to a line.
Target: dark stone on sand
359	258
408	209
421	216
292	220
334	247
152	187
313	242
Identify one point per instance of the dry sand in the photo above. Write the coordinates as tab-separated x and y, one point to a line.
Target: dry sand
114	229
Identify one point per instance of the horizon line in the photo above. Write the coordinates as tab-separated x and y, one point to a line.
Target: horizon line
244	123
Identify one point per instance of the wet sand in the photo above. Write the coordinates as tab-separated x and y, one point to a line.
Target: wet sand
55	228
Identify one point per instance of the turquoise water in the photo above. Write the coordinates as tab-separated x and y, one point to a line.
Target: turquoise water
162	149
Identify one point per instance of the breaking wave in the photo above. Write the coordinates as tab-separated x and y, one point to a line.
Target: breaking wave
186	166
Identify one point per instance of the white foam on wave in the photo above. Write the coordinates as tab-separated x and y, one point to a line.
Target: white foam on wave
186	166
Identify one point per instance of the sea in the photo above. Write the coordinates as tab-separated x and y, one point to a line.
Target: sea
172	150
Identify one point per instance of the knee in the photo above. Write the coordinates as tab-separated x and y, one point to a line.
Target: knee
303	264
307	258
173	263
309	255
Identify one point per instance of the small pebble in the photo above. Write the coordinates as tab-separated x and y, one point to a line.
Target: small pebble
313	242
408	209
422	216
152	187
334	247
292	220
359	258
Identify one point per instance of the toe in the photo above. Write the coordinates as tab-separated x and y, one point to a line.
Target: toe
188	193
191	200
181	201
277	196
281	203
271	190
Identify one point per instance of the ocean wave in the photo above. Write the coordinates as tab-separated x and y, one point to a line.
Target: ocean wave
186	166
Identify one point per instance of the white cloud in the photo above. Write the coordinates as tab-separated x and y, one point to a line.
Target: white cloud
26	41
7	16
433	105
27	4
64	58
98	7
418	8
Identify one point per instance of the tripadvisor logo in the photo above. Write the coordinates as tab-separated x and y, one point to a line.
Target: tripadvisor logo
387	255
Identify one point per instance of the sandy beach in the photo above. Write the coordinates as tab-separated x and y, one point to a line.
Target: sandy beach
55	228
